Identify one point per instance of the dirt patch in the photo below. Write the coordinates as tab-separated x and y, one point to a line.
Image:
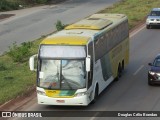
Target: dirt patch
4	16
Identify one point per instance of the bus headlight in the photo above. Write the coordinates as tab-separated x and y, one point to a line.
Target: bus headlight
41	93
80	94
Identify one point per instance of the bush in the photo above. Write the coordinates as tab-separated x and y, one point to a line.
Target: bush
19	54
2	67
41	1
6	5
59	25
36	1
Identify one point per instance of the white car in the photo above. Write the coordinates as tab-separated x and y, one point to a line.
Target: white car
153	18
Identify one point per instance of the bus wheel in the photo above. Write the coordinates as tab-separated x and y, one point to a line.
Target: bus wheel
123	65
119	71
95	95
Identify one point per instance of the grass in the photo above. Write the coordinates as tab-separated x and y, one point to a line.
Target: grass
6	5
15	78
136	10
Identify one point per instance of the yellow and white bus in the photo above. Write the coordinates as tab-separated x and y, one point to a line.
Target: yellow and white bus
76	64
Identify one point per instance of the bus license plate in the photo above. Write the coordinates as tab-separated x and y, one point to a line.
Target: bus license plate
60	101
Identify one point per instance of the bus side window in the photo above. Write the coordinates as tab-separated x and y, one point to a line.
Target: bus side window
90	74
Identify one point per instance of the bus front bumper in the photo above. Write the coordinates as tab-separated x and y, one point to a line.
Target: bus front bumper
74	101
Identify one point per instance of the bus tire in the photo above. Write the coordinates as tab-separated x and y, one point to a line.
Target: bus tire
123	65
119	72
95	94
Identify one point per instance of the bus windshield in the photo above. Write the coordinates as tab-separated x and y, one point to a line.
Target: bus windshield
62	74
62	67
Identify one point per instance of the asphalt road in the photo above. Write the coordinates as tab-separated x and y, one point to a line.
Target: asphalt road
131	92
37	23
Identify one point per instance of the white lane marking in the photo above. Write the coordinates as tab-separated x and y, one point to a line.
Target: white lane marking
93	118
137	30
138	69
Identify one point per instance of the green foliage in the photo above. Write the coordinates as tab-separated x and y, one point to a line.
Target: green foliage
59	25
2	67
15	80
36	1
20	53
6	5
40	1
136	10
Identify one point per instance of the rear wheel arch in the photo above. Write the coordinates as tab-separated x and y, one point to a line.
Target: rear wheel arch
96	93
119	71
122	64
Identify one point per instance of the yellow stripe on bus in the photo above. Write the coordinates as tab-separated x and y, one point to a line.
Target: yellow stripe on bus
67	40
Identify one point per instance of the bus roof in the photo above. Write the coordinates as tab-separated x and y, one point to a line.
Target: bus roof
90	23
66	40
96	22
80	33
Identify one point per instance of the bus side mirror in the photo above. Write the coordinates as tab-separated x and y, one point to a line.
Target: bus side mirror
88	63
31	62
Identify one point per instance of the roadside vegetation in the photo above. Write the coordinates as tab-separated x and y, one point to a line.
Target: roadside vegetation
15	76
136	10
59	25
6	5
20	53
